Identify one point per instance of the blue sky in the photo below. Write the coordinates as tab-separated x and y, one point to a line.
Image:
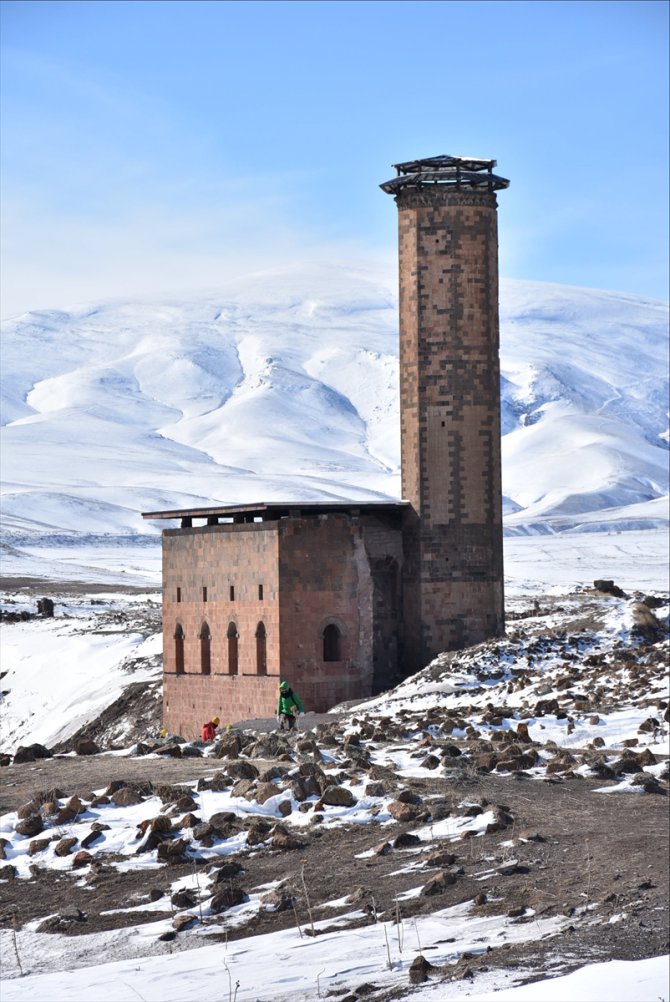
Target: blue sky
165	146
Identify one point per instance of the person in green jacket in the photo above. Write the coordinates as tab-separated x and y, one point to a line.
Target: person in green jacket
288	707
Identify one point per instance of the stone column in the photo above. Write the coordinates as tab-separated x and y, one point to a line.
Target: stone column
450	416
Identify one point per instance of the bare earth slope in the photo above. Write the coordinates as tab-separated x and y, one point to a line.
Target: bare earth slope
498	780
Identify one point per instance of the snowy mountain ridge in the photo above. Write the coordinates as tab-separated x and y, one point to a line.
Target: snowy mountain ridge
285	385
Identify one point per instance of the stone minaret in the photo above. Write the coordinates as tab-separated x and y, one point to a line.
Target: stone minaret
449	404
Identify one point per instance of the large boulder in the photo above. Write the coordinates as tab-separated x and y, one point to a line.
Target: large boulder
29	753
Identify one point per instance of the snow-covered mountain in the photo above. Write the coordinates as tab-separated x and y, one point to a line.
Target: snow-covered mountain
285	385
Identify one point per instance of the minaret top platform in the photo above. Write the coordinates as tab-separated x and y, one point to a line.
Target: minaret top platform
459	172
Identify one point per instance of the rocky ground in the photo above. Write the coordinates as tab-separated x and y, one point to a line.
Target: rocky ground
444	791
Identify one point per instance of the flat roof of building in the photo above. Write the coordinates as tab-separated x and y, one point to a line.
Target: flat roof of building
273	510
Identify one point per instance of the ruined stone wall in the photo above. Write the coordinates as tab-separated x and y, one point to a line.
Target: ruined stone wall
450	419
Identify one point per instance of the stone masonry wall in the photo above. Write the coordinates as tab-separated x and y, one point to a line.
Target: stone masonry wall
224	576
450	419
313	571
325	580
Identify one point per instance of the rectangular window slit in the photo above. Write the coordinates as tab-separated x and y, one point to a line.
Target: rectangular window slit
232	593
260	592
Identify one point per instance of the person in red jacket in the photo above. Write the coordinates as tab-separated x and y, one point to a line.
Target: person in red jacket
209	729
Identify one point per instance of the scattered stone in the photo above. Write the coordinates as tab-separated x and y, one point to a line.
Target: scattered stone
38	845
30	753
63	921
243	788
608	588
440	857
81	858
65	845
338	796
383	849
172	850
405	840
648	783
182	922
420	970
86	746
88	840
222	822
45	607
184	899
28	810
280	899
402	812
127	796
259	832
282	839
32	825
438	884
242	770
225	871
264	791
227	897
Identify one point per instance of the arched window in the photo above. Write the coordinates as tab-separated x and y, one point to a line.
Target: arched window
205	650
331	643
232	649
261	650
179	649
